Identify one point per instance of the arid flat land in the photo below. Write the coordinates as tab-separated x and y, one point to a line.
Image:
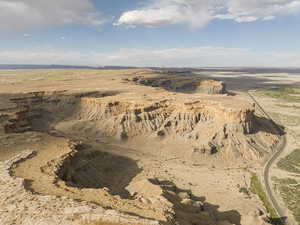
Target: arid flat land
279	94
138	146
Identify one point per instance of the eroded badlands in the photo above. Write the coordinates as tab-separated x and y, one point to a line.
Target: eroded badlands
137	147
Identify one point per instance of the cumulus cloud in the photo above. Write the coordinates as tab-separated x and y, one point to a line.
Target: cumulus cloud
168	12
21	14
175	57
198	13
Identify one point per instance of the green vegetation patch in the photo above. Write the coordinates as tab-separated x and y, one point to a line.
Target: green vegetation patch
288	106
290	188
257	188
291	94
286	120
291	163
290	192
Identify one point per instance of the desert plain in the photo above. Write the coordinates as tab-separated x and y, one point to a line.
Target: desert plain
142	146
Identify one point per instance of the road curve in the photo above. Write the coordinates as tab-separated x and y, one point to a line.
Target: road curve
268	165
268	183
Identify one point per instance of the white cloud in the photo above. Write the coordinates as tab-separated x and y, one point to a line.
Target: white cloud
252	10
198	13
21	14
175	57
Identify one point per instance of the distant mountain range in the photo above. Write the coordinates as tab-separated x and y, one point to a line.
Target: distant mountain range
165	69
20	66
249	70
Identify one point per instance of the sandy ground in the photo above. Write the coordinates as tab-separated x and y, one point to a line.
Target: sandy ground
282	112
218	184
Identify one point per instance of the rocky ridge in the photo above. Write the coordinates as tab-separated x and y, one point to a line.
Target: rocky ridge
179	206
209	125
22	207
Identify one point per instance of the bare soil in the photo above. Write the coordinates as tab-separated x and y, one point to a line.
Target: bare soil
116	126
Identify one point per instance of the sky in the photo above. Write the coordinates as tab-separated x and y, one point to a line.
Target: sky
163	33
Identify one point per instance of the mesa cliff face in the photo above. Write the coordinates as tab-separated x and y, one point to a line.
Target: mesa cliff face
167	116
205	125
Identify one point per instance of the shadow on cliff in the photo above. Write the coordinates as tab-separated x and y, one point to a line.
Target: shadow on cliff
38	111
97	169
268	125
195	210
278	221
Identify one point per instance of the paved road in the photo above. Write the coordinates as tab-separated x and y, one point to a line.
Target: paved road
268	183
266	169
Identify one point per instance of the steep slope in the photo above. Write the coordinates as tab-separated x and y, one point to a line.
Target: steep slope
205	125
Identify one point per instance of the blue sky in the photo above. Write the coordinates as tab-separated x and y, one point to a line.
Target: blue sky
151	32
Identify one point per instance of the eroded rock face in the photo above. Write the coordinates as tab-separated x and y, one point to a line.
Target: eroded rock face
203	124
135	117
211	126
175	206
208	125
22	207
187	210
98	170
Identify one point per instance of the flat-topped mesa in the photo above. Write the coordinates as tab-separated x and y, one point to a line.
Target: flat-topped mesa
136	117
208	125
179	83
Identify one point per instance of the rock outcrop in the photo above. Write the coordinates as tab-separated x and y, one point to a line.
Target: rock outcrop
210	125
22	207
178	206
162	197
